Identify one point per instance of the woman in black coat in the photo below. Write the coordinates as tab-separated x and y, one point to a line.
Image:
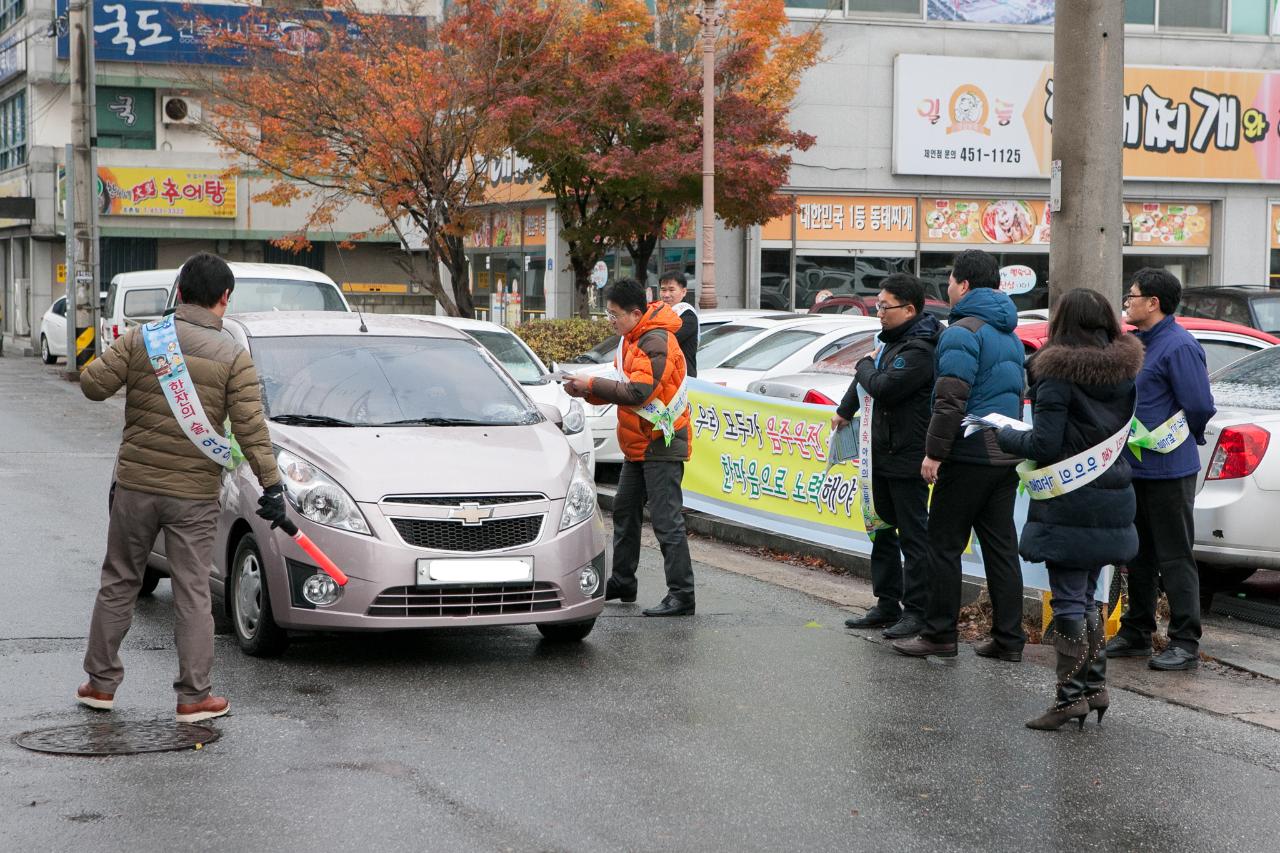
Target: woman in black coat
1082	392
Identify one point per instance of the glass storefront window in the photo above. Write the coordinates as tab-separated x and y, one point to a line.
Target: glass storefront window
1191	270
842	276
935	270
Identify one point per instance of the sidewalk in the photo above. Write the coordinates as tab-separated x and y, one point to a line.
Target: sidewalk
1241	680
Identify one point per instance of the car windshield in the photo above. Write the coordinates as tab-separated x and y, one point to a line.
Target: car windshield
1267	310
281	294
842	361
371	380
512	355
769	353
715	345
1253	382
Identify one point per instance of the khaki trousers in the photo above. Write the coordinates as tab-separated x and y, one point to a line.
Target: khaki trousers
188	525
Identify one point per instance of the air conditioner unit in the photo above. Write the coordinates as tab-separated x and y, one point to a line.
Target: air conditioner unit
176	110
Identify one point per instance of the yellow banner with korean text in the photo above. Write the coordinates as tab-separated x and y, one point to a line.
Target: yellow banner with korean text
163	191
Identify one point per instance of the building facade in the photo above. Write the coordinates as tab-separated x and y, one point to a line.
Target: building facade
162	189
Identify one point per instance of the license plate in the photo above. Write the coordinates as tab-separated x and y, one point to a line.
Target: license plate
510	570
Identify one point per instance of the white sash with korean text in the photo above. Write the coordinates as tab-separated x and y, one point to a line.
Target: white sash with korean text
663	416
161	341
1066	476
871	521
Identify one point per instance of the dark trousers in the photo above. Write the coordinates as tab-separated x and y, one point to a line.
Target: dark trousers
658	484
976	498
900	554
1166	535
1072	589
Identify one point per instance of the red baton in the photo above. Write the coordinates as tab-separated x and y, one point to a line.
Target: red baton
314	551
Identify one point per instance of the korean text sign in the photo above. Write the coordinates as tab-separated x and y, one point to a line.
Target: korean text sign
959	116
128	191
760	460
179	33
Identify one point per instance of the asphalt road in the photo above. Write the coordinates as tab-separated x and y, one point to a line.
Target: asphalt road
756	725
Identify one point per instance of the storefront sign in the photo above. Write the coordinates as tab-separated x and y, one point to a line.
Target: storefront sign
1017	279
143	191
971	117
992	11
535	226
983	221
684	228
506	229
1163	224
181	33
873	219
13	188
375	287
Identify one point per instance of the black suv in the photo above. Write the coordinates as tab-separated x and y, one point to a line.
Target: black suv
1254	305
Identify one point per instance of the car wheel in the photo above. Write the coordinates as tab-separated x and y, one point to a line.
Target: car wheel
566	632
46	356
150	580
1215	579
250	605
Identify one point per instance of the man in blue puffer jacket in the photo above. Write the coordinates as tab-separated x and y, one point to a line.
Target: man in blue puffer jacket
979	372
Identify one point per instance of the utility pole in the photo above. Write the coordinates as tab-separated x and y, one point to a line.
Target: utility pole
1088	128
82	192
710	18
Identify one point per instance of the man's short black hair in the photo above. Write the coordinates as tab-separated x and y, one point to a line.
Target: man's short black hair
979	268
203	279
1162	284
628	294
675	276
906	288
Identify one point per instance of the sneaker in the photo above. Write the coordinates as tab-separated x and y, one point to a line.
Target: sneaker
1174	658
206	709
95	699
1123	647
873	618
907	626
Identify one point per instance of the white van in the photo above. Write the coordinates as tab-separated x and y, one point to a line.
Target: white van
140	297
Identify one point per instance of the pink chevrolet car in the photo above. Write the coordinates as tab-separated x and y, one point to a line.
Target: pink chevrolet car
420	468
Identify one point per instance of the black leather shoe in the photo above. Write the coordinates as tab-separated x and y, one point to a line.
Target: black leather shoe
672	605
1174	658
907	626
618	592
919	647
873	618
1123	647
989	648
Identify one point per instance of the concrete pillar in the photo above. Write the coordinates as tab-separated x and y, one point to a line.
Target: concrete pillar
1088	128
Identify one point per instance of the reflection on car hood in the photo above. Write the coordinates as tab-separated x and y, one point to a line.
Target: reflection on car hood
372	462
552	394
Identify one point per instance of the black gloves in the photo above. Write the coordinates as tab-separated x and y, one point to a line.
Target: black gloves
271	505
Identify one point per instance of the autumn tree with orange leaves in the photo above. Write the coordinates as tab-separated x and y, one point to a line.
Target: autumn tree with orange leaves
401	113
632	163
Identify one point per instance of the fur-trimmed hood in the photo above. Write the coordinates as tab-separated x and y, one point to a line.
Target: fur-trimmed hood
1119	361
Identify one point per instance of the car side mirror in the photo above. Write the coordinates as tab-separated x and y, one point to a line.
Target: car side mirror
551	413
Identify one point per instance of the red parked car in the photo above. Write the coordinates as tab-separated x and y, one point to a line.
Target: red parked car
1223	342
866	306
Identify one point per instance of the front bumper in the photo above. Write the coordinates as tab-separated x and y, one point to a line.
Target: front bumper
604	435
382	592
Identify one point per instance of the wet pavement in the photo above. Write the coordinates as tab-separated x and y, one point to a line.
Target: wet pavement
759	724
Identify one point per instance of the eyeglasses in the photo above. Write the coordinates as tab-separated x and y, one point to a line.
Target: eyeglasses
613	316
1129	296
882	307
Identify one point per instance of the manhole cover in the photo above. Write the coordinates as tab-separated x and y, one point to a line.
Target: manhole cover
117	738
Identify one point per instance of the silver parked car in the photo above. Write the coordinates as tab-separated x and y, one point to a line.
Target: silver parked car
415	462
1238	493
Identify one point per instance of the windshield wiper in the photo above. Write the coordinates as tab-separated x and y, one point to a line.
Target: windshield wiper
443	422
310	420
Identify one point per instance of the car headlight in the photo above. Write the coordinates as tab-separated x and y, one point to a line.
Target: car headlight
575	421
316	496
594	411
580	503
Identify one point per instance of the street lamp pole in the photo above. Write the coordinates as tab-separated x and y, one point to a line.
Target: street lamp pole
710	18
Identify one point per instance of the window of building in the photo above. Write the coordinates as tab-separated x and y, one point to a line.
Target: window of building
1251	17
126	118
1140	12
815	5
889	7
10	12
1193	14
13	131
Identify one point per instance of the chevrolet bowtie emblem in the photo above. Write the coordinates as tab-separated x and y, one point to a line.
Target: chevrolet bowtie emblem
472	515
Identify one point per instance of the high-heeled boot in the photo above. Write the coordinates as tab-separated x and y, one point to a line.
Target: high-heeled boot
1095	672
1071	642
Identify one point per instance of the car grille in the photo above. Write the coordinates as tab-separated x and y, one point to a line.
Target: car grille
461	601
459	500
496	534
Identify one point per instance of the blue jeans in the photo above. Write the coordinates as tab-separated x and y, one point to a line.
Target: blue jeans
1072	588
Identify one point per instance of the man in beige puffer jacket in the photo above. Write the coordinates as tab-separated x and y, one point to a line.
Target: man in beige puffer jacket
164	482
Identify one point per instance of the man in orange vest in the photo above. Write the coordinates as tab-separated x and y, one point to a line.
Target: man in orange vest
653	431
